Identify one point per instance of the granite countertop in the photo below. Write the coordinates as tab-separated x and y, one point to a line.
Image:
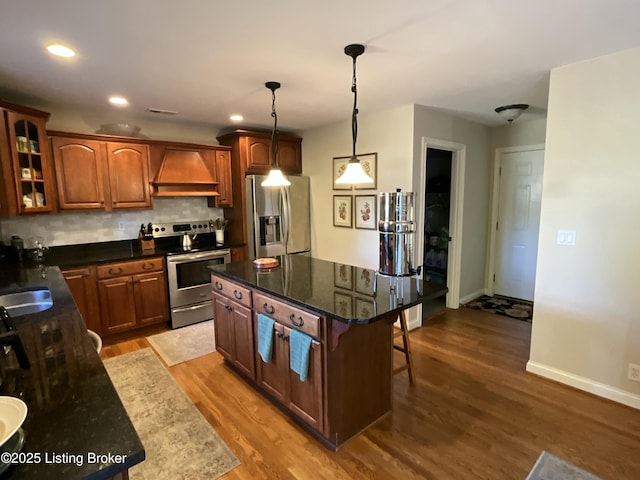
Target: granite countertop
102	252
73	407
343	292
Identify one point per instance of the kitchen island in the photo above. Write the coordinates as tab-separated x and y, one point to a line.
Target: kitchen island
349	314
76	425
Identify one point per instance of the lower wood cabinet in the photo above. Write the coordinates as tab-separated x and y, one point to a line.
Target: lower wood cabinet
302	398
120	296
234	333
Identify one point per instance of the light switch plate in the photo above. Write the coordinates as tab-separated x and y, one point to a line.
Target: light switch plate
566	237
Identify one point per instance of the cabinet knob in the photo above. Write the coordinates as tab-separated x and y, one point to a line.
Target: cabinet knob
268	308
101	202
218	285
115	202
237	294
297	323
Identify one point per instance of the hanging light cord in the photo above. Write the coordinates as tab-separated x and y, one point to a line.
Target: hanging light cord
354	116
274	138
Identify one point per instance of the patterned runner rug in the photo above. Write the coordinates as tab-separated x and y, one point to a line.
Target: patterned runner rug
509	307
182	344
178	441
550	467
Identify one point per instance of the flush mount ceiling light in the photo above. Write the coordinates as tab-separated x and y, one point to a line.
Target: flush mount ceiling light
119	101
511	112
275	178
236	118
354	173
60	50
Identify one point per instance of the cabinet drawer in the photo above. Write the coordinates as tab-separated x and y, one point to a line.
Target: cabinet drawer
231	290
288	315
118	269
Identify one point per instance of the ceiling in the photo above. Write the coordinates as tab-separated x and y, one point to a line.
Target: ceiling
209	59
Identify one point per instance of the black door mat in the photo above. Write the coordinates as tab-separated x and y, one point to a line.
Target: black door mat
509	307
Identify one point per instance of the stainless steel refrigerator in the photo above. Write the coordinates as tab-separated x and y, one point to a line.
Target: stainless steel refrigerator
278	217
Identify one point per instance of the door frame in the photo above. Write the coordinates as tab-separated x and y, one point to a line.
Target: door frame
495	204
454	262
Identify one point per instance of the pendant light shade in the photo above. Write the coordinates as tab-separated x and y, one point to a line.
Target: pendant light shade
275	177
354	173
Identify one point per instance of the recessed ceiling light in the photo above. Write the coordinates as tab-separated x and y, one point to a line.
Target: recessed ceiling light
60	50
236	118
119	101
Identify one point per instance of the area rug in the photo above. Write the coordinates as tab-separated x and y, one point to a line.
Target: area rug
509	307
182	344
550	467
178	441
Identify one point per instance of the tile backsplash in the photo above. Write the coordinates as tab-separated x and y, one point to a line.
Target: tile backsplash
70	228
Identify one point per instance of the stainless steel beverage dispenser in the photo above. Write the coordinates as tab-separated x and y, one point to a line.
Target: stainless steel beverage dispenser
397	230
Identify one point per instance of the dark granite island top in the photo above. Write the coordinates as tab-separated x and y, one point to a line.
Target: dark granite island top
342	292
73	407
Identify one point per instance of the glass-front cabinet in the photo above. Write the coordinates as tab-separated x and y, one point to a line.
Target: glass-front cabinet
26	163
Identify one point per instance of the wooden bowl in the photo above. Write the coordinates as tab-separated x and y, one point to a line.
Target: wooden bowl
266	262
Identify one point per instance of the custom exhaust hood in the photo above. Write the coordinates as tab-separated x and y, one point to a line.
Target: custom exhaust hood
184	173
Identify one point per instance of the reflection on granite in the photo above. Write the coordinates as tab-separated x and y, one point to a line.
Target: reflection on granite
72	405
345	292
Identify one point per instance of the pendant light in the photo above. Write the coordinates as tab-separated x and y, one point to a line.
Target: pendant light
354	173
275	177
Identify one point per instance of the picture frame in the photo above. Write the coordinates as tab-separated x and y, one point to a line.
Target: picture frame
343	211
343	276
369	162
343	304
364	279
365	212
339	166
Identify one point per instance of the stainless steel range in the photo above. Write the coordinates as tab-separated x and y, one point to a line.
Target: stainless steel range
190	248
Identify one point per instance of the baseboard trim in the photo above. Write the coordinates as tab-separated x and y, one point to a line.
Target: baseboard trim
472	296
586	384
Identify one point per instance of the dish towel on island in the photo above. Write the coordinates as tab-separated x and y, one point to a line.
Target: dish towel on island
299	345
265	337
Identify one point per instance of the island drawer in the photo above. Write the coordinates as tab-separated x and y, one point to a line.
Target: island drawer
132	267
231	290
288	315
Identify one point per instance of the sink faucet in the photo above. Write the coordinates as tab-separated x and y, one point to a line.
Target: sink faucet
10	338
40	250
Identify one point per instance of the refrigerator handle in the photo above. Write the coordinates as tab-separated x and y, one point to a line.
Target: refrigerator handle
286	214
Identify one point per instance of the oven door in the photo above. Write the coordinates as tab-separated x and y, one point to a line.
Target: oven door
190	278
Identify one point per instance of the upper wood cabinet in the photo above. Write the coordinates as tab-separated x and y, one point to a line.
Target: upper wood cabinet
255	151
223	171
99	174
25	165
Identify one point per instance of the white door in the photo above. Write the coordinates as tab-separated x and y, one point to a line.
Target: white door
520	195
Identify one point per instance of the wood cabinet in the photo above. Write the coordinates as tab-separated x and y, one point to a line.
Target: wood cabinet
99	174
132	294
223	171
25	164
250	153
239	254
234	333
84	289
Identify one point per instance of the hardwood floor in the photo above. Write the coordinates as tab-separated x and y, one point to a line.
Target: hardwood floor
473	414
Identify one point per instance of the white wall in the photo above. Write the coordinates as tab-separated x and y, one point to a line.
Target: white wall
586	325
388	133
442	126
519	133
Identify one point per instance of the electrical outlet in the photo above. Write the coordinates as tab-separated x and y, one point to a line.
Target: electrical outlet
121	226
634	372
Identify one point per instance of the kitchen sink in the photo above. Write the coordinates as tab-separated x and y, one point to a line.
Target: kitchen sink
26	301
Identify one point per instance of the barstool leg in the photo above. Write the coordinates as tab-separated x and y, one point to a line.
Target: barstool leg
405	348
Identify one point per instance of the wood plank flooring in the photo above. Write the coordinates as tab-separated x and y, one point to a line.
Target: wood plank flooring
473	414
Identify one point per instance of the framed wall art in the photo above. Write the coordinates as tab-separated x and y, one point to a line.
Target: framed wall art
339	166
342	211
365	212
369	162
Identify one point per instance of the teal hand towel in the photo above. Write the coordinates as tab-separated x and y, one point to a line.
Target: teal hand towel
299	345
265	337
